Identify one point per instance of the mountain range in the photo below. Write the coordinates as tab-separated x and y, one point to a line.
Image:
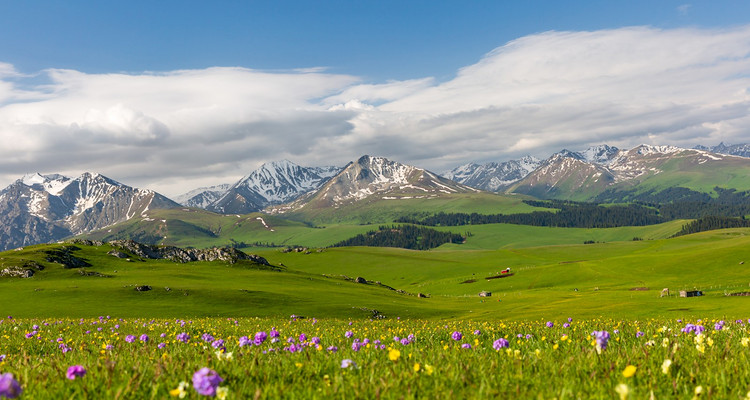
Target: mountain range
41	208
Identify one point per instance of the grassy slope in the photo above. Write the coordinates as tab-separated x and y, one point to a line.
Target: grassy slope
546	277
196	289
543	285
375	210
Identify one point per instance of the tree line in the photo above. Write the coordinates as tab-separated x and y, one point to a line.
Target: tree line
403	236
712	223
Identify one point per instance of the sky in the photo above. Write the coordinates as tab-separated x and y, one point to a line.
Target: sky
173	95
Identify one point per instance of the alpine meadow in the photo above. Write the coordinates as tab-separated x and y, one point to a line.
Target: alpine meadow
375	200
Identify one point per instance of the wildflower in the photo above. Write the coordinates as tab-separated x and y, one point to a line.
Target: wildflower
130	338
75	371
217	344
665	366
500	343
477	332
144	338
698	390
183	337
349	334
549	324
207	337
205	381
629	371
623	390
244	341
356	345
429	369
332	349
639	334
465	346
9	387
416	367
161	345
394	355
222	355
302	337
457	335
274	333
745	342
259	338
222	392
180	390
347	363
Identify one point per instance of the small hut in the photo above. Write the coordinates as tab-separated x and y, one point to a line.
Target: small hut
485	293
691	293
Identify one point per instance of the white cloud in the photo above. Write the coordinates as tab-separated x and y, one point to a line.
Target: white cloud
177	130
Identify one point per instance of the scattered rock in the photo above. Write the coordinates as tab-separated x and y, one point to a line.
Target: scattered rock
17	272
118	254
65	257
422	295
360	279
176	254
83	272
86	242
143	288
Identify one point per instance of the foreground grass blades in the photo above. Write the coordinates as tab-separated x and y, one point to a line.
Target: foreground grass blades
307	358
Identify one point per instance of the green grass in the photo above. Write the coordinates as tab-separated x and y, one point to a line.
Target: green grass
586	280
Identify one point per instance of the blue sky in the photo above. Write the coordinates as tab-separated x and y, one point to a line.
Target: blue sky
177	94
378	40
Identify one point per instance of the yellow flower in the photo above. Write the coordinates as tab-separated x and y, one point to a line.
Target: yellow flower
665	366
429	369
629	371
180	390
394	355
298	364
701	347
416	367
555	346
745	341
623	390
221	392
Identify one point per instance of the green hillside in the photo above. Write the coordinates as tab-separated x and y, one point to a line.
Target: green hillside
615	279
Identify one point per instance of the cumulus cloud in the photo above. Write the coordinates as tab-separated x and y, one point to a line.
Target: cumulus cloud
173	131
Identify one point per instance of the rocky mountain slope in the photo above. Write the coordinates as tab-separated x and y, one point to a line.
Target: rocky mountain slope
273	183
493	177
570	175
378	178
41	208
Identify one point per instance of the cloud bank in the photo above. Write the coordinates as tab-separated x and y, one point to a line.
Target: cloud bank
178	130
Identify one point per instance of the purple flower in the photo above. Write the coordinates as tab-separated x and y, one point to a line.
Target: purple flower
570	319
639	334
457	335
130	338
316	340
205	381
2	357
566	325
183	337
207	337
477	332
274	333
9	387
718	326
245	341
405	341
75	371
528	336
217	344
357	345
347	363
332	349
500	343
465	346
549	324
144	338
302	337
161	345
30	335
349	334
259	338
602	338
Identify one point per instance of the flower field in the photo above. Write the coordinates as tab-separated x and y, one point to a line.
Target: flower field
246	358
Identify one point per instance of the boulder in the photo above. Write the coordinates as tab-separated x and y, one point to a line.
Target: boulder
360	279
143	288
